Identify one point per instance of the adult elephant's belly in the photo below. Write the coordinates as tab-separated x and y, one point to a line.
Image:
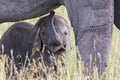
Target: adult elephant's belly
25	9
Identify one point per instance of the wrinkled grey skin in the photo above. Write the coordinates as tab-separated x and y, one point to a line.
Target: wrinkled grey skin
17	9
54	36
20	39
92	21
51	30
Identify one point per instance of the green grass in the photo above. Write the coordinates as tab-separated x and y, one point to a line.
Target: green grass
112	71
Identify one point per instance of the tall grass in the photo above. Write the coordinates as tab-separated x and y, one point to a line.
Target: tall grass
70	72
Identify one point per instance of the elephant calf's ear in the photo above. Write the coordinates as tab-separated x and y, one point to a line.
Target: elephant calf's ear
38	45
38	24
43	19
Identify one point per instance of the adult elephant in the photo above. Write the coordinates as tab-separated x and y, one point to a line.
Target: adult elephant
92	22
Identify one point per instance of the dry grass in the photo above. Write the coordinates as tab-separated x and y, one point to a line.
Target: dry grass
70	72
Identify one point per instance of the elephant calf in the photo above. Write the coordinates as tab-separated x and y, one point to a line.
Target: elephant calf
50	32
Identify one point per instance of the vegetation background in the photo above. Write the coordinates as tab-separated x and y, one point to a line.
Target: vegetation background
113	68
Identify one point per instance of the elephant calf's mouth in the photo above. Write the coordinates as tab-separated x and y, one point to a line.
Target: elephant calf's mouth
57	49
60	49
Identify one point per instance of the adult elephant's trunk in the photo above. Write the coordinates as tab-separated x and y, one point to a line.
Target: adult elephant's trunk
92	21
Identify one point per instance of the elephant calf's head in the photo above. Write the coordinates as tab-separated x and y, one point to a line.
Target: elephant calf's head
54	33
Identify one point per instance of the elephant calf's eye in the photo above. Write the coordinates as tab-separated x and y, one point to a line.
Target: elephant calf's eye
43	33
65	33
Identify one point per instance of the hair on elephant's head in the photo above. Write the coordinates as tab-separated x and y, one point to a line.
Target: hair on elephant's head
54	33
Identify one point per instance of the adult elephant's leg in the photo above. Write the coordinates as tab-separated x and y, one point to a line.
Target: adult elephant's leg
117	13
92	21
